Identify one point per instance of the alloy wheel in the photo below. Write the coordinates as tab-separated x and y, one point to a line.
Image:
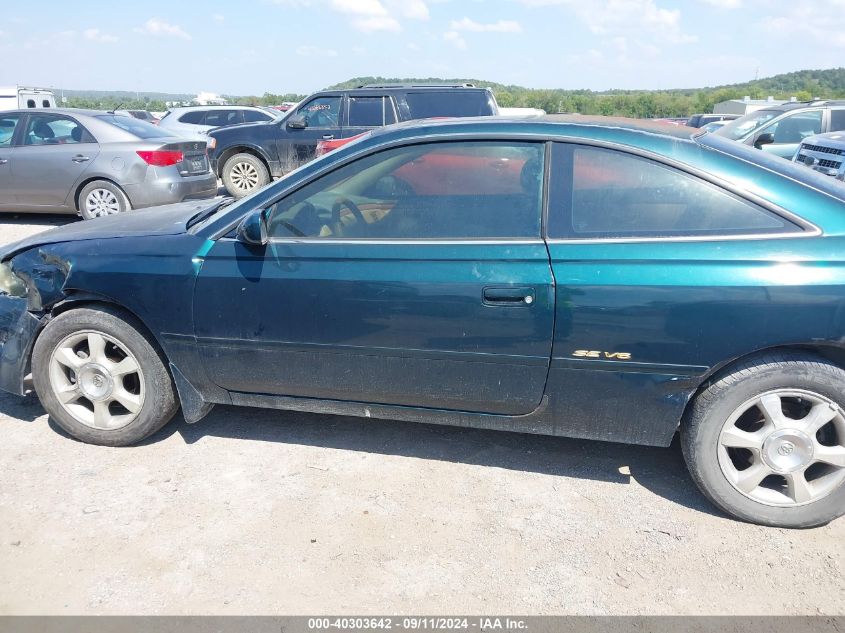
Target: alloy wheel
784	448
97	380
244	176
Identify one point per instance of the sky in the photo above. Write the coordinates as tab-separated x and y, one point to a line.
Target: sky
250	47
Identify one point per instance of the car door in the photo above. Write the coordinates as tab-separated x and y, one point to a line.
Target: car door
653	288
315	120
54	152
384	282
788	132
9	123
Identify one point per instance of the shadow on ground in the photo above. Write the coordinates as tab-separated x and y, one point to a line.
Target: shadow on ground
660	470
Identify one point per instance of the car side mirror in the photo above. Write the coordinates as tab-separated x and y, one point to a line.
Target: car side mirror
766	138
252	230
298	122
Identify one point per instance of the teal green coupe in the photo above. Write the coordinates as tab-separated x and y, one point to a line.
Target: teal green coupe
584	277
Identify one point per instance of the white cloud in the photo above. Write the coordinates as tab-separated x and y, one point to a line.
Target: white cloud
217	17
454	38
359	7
96	36
820	21
157	27
315	51
724	4
632	18
502	26
377	23
411	9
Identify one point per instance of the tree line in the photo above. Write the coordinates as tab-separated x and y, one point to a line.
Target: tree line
803	85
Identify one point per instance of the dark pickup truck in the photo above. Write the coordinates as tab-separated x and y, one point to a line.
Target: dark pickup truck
248	156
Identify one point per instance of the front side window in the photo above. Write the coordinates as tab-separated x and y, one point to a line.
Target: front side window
468	190
599	193
322	112
45	129
796	127
8	122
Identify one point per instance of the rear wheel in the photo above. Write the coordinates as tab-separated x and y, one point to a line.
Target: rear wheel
243	174
101	379
766	441
101	198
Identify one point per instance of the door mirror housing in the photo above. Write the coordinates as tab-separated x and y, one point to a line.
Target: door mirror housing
252	230
298	122
767	138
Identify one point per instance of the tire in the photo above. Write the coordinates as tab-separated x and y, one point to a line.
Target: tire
756	421
97	348
100	198
244	174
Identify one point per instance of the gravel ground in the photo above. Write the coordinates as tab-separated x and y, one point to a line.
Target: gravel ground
262	512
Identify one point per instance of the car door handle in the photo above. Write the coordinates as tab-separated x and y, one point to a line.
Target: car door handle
3	161
328	137
508	296
79	158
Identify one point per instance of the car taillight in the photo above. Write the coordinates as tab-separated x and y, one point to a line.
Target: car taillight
161	157
321	149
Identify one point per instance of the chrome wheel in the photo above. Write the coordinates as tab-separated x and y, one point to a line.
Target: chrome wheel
97	380
244	176
100	202
784	448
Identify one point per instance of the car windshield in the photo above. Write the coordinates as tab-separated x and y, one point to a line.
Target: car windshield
743	126
139	128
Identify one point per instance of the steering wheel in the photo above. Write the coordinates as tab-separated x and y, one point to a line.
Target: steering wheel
297	232
345	203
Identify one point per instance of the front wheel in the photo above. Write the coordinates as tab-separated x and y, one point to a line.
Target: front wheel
101	379
243	174
765	442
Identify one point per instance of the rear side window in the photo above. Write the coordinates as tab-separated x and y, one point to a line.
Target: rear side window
600	193
461	190
837	120
7	128
454	103
370	111
195	117
139	128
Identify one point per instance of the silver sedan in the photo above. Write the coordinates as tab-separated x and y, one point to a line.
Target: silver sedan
95	163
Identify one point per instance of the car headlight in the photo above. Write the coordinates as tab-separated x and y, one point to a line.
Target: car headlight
10	283
211	143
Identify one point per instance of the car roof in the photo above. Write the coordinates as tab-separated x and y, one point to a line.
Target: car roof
797	105
215	107
68	111
551	124
380	89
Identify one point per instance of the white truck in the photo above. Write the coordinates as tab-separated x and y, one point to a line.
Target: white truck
19	97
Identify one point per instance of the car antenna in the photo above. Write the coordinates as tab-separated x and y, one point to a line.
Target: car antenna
114	110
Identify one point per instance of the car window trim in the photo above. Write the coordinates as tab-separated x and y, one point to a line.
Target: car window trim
456	240
227	225
805	228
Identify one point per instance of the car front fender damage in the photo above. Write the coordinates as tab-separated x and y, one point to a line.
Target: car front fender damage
21	317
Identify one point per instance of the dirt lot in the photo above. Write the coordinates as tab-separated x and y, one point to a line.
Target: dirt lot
264	512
